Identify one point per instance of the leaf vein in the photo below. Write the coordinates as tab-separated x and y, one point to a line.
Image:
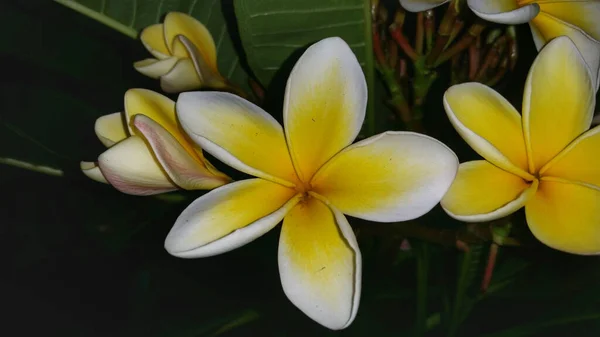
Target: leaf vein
306	11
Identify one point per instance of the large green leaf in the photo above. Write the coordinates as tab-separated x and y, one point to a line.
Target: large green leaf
273	32
131	16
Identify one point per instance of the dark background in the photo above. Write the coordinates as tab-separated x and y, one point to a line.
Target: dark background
81	259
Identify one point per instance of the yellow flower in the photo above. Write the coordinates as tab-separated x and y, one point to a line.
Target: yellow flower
186	57
548	19
544	160
149	154
307	176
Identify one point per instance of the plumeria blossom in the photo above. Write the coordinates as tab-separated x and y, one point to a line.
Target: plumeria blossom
185	54
548	19
545	160
421	5
147	151
308	176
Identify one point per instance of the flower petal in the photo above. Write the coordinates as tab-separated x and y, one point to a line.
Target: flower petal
504	11
548	27
558	101
208	74
154	68
110	129
421	5
565	216
484	192
229	217
490	124
130	168
183	24
582	14
394	176
92	171
153	39
182	77
186	171
320	263
578	162
325	102
238	133
161	110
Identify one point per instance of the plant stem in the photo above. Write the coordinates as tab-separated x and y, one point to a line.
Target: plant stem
444	31
402	41
397	100
489	268
429	29
461	288
424	78
462	44
458	26
420	34
474	54
492	57
422	285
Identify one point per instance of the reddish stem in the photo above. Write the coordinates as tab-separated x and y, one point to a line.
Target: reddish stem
489	268
474	50
402	41
462	44
420	34
379	55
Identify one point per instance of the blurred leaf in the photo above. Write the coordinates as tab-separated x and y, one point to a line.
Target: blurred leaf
273	32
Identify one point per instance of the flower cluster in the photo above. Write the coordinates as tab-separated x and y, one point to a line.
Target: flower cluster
309	175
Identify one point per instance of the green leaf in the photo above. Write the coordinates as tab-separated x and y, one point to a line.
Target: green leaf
274	31
131	16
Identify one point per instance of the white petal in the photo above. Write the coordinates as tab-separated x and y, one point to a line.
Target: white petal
394	176
130	168
325	102
320	263
237	132
110	129
92	171
229	217
155	68
421	5
182	77
185	169
504	11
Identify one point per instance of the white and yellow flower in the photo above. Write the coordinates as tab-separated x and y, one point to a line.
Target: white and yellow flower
185	54
421	5
544	160
548	19
307	176
147	152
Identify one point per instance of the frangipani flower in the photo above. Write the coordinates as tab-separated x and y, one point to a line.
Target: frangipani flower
186	56
307	176
548	19
149	154
421	5
544	160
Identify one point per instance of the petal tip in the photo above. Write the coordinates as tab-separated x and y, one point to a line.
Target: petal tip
501	12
